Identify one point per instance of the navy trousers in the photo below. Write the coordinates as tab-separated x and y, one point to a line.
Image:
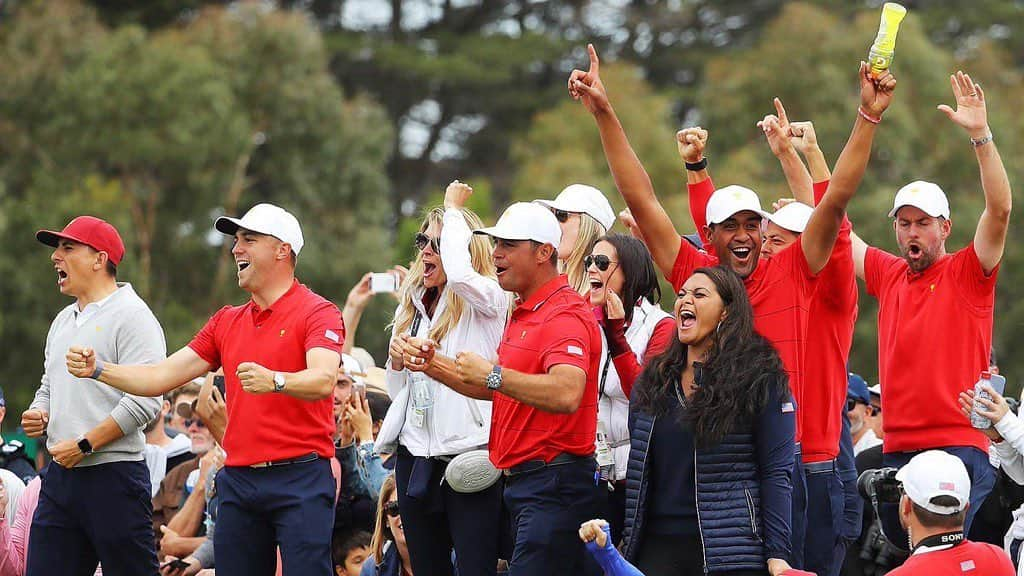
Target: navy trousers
824	518
262	508
441	519
799	518
93	514
983	478
547	507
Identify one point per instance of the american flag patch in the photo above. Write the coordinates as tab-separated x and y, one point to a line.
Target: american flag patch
788	407
576	350
967	565
332	336
947	486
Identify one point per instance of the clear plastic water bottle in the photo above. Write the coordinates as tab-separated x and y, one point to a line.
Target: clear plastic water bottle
884	48
977	420
422	398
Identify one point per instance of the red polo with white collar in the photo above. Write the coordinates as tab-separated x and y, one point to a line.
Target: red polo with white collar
554	326
273	426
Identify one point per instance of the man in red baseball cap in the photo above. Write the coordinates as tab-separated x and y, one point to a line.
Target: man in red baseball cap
94	433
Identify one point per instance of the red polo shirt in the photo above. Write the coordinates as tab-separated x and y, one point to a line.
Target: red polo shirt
265	427
967	559
779	289
829	335
555	326
934	337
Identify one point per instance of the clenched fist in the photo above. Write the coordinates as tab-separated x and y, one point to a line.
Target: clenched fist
81	361
34	422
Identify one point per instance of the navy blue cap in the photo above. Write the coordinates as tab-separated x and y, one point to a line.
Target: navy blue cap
857	388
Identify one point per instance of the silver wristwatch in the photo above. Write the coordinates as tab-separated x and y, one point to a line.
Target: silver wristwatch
278	381
494	378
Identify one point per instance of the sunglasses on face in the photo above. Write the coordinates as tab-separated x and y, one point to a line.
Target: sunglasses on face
601	261
422	240
562	216
391	508
190	421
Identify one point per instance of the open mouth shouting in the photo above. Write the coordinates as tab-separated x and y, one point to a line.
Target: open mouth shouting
687	320
62	276
242	264
429	269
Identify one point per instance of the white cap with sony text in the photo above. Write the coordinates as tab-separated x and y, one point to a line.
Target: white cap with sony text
580	198
936	473
793	217
526	221
731	200
266	219
924	195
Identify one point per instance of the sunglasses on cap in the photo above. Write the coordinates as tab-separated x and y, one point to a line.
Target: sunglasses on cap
391	508
561	215
601	261
422	240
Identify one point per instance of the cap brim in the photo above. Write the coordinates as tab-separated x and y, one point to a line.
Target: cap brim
51	238
496	232
228	226
761	213
892	213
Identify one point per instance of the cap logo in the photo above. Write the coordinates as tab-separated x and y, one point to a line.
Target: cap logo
737	195
947	486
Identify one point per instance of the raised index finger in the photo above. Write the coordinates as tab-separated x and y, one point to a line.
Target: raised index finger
783	119
595	63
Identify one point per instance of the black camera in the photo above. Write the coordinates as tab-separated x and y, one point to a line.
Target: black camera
879	485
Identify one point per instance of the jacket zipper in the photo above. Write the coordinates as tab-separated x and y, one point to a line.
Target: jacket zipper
696	504
750	510
643	471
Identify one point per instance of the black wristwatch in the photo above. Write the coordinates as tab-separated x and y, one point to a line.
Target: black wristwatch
85	446
494	378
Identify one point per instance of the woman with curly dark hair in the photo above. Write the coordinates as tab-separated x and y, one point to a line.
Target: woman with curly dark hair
708	487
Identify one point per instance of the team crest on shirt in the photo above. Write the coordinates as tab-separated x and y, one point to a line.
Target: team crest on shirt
281	335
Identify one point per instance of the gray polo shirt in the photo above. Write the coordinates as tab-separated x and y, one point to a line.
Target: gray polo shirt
122	330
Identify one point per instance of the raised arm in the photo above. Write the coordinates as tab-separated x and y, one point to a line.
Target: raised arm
140	379
777	131
480	292
972	116
630	177
823	228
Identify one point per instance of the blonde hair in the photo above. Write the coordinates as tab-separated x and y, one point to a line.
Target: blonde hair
480	256
381	531
590	232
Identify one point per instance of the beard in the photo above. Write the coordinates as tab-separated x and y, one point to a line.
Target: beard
927	257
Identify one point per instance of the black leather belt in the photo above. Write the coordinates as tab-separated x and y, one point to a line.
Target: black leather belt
311	457
819	467
561	459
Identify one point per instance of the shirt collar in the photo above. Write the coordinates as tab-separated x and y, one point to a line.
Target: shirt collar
256	310
544	292
99	303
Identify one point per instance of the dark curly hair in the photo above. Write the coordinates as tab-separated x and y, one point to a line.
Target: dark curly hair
734	382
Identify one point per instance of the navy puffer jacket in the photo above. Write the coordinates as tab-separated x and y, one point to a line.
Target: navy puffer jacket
744	490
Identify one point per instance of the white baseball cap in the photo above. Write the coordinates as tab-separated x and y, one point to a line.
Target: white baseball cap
583	199
876	389
352	367
526	221
792	217
924	195
729	200
266	219
936	473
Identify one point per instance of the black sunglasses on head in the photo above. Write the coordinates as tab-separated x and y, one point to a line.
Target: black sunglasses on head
561	215
422	240
601	261
391	508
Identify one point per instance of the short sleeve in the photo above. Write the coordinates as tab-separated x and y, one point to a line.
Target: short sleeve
687	260
325	328
877	264
794	262
205	342
971	276
570	341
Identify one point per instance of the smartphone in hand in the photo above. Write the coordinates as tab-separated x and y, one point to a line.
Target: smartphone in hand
381	282
218	383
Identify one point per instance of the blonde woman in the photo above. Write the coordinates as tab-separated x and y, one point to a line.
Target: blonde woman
584	215
451	302
389	549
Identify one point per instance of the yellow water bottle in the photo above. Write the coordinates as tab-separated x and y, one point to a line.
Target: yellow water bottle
882	51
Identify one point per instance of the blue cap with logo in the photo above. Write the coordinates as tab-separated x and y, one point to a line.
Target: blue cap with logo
857	388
